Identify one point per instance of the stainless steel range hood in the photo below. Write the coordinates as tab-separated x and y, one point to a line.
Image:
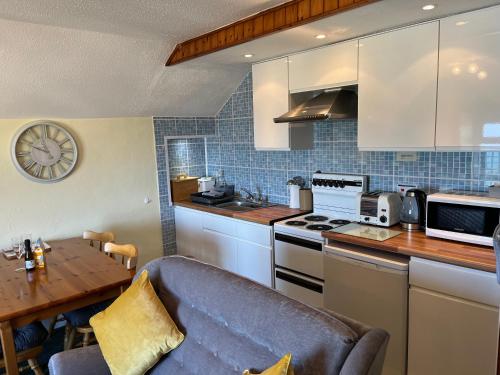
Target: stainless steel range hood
338	103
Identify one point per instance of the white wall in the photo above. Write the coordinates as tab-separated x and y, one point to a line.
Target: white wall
115	172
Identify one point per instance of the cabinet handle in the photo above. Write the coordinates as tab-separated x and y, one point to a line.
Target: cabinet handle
298	241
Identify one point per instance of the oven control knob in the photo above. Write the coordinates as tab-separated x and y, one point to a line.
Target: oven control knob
383	219
315	182
322	182
336	183
367	218
341	184
330	183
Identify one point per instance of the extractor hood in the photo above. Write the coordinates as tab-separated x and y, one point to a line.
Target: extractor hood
330	104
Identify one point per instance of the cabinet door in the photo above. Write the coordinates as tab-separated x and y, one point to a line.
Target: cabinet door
255	262
189	232
468	114
270	100
449	335
331	66
220	250
397	89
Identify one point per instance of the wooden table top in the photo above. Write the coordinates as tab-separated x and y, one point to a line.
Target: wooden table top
265	216
419	245
73	270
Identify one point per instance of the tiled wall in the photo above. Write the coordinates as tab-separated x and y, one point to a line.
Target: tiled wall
230	147
335	150
186	154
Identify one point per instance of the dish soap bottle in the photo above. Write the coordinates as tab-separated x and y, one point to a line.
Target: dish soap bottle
39	254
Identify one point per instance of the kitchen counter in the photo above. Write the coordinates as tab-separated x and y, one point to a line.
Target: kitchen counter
266	215
419	245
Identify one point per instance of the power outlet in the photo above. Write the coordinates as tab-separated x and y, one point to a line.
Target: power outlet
403	188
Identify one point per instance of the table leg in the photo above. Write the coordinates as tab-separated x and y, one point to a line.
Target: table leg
9	349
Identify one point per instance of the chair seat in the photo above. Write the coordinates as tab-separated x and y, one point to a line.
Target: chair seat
28	337
81	317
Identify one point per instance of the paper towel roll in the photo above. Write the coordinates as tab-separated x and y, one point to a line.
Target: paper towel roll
294	196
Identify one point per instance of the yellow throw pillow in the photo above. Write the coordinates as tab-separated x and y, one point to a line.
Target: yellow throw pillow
283	367
136	330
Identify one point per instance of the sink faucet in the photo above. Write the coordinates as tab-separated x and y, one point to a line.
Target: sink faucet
250	196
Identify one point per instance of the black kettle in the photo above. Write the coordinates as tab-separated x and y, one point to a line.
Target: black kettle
413	211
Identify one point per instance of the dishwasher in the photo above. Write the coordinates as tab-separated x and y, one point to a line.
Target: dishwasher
371	287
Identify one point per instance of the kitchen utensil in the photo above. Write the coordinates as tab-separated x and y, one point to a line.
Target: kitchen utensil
305	199
413	210
294	196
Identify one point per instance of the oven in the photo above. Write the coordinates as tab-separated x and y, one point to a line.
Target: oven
299	268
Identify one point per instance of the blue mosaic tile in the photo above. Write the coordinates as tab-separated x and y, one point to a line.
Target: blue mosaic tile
226	111
213	154
226	130
486	165
227	154
196	154
377	163
246	84
163	127
300	160
242	154
242	178
278	182
163	183
260	181
323	131
445	184
178	155
242	104
419	168
259	159
242	128
197	170
451	165
383	183
278	160
185	126
205	126
161	162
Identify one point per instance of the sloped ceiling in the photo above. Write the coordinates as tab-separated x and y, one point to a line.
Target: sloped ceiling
94	58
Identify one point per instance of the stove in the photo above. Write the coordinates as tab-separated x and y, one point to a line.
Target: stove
298	243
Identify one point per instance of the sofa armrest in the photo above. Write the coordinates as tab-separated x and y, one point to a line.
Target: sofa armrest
367	356
81	361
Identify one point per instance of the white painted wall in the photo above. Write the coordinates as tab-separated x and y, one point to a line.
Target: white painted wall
116	170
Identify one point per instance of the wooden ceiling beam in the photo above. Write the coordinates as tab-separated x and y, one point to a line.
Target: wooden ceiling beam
285	16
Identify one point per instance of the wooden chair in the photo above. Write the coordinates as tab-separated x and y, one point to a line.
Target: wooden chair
96	240
99	238
128	254
29	355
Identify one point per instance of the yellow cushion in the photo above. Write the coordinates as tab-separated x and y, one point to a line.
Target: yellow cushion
136	330
283	367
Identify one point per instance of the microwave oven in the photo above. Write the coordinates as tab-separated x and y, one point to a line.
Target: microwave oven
465	217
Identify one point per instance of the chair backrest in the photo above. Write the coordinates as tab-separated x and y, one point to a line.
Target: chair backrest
98	239
128	253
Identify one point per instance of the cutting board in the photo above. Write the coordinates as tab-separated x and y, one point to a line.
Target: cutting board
181	189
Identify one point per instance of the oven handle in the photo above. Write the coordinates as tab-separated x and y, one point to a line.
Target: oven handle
298	241
299	281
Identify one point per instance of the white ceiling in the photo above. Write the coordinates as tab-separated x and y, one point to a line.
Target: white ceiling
94	58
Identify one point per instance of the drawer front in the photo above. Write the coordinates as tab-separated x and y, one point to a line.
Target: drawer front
299	255
219	224
300	288
255	233
466	283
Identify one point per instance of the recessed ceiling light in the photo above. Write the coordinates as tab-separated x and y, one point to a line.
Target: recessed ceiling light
428	7
320	36
482	75
473	68
248	55
461	23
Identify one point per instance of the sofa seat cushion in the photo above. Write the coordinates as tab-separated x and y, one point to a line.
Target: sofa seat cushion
28	337
232	323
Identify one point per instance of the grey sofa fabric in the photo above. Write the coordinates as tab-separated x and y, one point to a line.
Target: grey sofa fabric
231	323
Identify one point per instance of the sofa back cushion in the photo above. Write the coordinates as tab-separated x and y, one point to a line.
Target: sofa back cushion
231	324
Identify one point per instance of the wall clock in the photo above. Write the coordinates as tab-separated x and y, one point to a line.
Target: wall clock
43	151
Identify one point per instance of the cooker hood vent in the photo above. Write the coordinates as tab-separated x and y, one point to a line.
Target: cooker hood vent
330	104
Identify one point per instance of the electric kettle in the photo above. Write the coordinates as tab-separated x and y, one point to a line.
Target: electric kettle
412	215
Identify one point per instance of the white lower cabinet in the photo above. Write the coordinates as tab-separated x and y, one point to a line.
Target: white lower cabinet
235	245
453	320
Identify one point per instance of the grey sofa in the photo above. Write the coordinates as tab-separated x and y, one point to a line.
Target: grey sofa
232	323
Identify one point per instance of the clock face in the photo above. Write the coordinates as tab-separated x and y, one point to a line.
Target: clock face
43	151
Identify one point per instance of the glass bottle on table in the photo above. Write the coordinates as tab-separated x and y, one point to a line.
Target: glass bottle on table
29	258
39	254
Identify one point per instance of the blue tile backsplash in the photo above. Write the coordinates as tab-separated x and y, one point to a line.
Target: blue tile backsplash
229	141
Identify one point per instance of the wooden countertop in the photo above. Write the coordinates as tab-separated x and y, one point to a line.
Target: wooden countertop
419	245
266	216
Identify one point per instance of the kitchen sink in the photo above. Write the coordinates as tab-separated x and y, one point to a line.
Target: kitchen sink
241	206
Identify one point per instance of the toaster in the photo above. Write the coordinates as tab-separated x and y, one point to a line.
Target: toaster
378	208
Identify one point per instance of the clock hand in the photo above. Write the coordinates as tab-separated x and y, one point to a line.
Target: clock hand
45	148
41	149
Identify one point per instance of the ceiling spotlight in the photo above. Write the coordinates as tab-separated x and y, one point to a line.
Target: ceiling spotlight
461	23
428	7
320	36
482	75
473	68
248	55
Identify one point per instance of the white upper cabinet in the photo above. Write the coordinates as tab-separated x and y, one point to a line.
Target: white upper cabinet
397	89
270	100
468	114
332	66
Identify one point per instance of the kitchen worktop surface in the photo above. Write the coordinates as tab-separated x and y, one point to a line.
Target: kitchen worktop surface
266	215
419	245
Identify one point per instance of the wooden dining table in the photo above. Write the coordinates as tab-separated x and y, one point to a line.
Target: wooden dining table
76	275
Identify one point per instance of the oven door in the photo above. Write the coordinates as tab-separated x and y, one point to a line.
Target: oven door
299	254
299	287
